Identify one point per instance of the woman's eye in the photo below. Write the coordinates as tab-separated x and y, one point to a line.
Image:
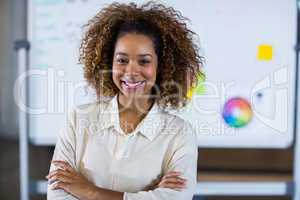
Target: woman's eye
144	61
121	60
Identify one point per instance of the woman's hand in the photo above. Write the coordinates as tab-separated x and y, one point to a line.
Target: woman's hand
66	178
171	180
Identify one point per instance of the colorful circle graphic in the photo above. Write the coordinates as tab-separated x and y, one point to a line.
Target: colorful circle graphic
237	112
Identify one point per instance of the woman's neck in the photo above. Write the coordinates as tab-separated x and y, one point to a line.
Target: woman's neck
132	112
139	106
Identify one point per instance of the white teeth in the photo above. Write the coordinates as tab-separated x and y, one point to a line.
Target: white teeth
133	84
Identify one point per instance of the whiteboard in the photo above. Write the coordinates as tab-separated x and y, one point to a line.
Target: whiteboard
249	51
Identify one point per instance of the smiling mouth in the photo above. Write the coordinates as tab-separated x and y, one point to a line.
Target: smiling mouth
132	85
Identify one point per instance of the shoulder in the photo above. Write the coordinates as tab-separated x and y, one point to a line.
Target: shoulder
89	111
178	126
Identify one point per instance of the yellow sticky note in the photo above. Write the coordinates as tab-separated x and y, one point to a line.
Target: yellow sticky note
265	52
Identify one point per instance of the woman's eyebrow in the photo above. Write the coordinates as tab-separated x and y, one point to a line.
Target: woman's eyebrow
121	53
146	54
140	55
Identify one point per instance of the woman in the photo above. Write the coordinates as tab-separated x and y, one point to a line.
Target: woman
127	145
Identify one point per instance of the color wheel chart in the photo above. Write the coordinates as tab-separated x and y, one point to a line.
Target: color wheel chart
237	112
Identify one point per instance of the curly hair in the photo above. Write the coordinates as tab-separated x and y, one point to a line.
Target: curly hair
179	62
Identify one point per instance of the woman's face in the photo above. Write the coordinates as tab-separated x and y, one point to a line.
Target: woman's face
134	65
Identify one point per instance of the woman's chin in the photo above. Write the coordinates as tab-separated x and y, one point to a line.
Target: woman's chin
132	94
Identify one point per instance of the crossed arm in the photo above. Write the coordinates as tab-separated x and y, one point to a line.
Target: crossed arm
66	183
74	183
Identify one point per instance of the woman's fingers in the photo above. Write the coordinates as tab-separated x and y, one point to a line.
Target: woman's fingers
60	175
64	170
173	176
172	180
172	173
58	171
175	181
60	185
63	165
172	185
59	179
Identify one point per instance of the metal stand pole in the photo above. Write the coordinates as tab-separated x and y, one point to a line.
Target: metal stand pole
296	169
296	176
22	47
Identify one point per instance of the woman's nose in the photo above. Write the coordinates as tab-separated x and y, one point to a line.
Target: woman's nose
132	68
